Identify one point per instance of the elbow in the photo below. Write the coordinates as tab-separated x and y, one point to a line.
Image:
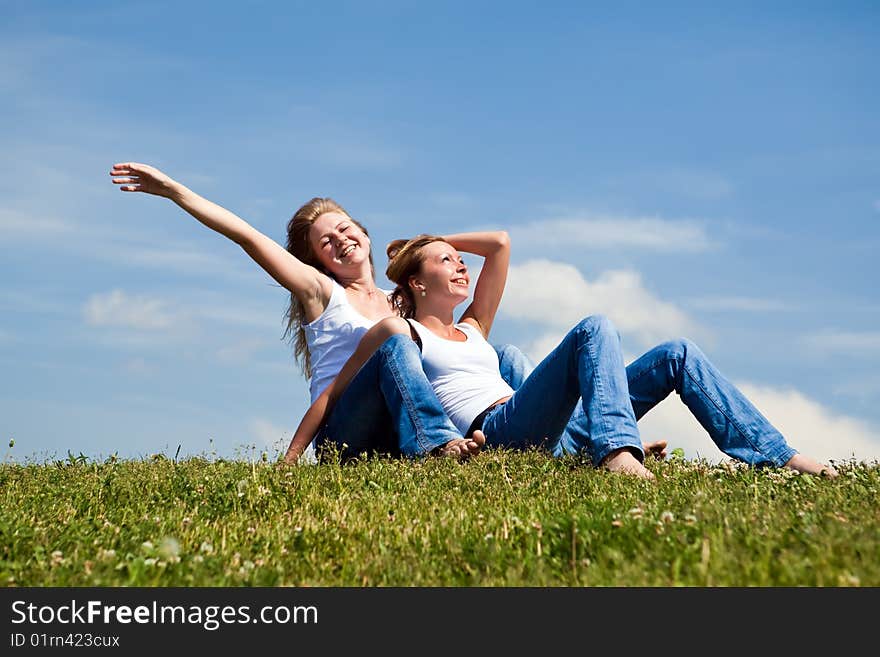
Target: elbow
247	240
503	240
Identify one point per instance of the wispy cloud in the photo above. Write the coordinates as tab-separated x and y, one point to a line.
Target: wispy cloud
219	328
118	309
849	343
605	232
21	57
453	200
121	247
316	136
688	183
138	367
35	301
808	426
358	155
864	388
240	351
556	296
176	256
742	304
237	312
15	224
74	207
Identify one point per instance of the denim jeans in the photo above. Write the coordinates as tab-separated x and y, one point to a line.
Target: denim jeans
390	407
732	422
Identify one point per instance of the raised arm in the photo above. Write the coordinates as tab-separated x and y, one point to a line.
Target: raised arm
494	246
310	286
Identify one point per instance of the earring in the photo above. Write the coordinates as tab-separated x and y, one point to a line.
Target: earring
423	293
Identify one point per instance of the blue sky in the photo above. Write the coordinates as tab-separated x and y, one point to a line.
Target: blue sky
701	170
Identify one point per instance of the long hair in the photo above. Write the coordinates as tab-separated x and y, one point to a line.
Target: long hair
405	259
300	246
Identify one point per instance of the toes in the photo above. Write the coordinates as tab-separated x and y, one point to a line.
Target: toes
462	448
456	448
657	449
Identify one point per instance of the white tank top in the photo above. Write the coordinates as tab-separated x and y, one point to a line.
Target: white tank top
332	338
464	375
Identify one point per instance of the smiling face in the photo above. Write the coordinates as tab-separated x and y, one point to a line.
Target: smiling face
442	275
338	242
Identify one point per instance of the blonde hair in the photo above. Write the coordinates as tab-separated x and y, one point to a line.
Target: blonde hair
405	259
299	245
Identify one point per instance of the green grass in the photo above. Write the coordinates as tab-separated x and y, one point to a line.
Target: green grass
503	519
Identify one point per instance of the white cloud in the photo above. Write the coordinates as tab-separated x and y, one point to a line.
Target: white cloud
556	296
742	304
808	426
118	309
538	348
851	343
603	232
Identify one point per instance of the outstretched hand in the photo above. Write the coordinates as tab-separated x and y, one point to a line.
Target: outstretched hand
136	177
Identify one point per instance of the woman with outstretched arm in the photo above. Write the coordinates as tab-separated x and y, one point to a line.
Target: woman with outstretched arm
328	269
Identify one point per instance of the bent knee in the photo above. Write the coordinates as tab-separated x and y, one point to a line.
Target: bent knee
399	345
597	324
390	326
507	351
680	348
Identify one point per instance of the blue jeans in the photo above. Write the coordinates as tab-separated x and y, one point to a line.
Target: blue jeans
732	422
390	407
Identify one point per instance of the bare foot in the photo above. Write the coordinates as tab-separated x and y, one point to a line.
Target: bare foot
624	461
455	448
463	448
477	442
657	449
805	464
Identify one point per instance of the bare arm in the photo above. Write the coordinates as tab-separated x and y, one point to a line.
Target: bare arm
309	285
320	409
494	246
309	426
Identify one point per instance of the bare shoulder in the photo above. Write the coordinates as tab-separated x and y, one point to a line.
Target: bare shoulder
471	321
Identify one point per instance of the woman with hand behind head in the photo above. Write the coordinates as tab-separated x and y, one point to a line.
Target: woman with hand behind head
580	397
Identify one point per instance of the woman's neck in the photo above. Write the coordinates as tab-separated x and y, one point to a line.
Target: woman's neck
440	323
360	282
